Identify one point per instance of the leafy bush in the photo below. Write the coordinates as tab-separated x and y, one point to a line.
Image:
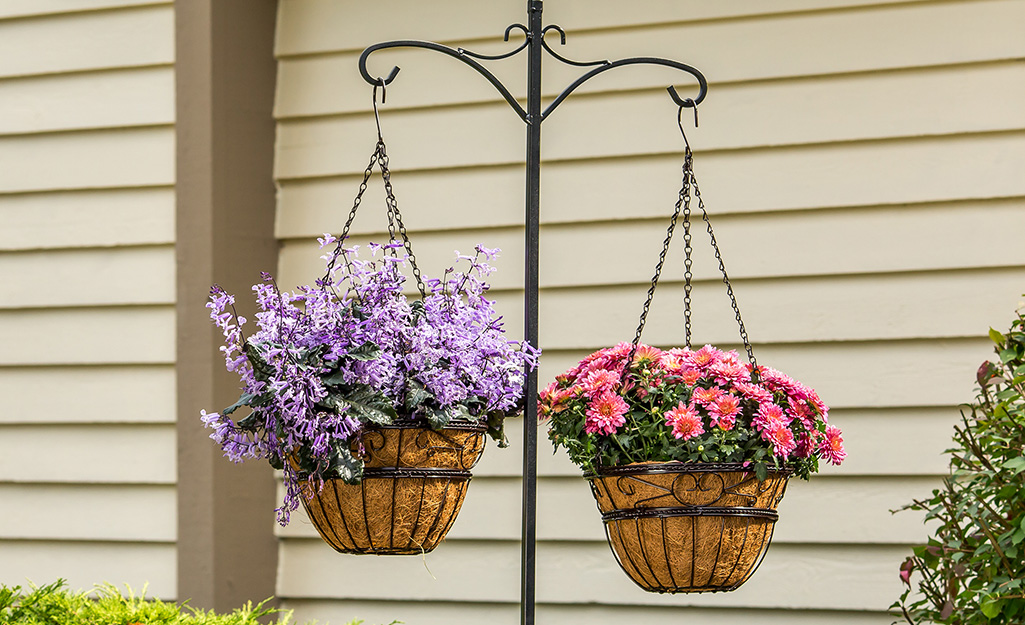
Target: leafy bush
55	605
973	569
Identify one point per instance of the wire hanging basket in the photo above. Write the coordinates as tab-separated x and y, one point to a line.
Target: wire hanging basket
414	482
687	453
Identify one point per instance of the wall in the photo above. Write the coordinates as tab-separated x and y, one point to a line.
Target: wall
87	379
861	160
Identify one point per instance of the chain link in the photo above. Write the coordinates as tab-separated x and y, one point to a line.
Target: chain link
395	225
683	205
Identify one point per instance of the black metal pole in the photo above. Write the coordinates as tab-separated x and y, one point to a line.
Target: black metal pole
530	284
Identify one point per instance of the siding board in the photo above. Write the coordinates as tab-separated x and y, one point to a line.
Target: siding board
473	613
96	277
82	564
88	336
89	454
791	576
100	394
106	218
141	97
60	512
857	244
87	41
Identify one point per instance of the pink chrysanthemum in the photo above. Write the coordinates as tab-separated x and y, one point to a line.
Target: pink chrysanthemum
598	381
769	416
690	376
753	392
705	356
685	421
724	411
707	396
726	372
647	354
605	414
782	439
831	446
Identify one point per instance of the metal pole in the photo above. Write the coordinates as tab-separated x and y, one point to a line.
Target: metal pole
530	284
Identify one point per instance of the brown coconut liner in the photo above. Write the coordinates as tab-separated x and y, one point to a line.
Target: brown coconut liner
678	528
414	483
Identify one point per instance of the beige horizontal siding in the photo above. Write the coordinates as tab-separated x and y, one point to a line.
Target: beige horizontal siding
30	8
73	512
105	218
87	320
884	175
791	576
120	335
93	453
138	566
876	240
101	394
61	43
473	613
854	206
107	99
87	160
91	277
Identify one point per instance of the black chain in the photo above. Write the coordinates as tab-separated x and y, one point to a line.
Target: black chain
683	205
395	225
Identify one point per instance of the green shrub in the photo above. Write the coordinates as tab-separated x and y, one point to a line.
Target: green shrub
55	605
972	570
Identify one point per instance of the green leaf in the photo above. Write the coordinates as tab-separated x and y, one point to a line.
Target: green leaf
242	401
416	395
438	417
761	471
344	465
1015	464
995	336
366	351
990	606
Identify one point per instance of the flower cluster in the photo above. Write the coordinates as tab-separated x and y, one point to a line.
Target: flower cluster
686	405
330	360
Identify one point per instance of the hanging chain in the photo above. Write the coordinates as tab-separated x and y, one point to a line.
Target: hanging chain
395	225
726	280
688	248
683	205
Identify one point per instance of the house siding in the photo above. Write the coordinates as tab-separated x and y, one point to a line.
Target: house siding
87	379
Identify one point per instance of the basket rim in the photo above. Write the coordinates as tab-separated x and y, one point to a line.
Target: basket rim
675	466
418	423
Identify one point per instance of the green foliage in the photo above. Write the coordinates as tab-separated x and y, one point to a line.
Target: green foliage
972	570
53	604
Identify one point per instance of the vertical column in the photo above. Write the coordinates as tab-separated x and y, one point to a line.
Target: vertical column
530	285
225	74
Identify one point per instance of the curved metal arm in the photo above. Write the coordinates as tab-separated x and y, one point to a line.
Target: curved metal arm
684	102
461	55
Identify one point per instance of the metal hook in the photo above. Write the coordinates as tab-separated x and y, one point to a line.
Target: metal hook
377	116
679	120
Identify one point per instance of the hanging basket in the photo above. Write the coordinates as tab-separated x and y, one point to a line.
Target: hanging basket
414	483
679	528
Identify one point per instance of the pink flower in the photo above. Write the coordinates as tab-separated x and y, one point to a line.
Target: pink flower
754	392
725	410
646	354
598	381
706	396
705	356
831	446
605	414
690	376
770	416
685	421
726	372
782	439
